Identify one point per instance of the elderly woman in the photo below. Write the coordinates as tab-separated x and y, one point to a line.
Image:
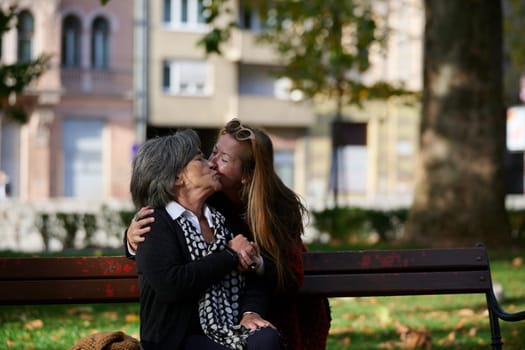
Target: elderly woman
192	293
253	194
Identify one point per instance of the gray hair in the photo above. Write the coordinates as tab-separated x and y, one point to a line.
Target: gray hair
157	164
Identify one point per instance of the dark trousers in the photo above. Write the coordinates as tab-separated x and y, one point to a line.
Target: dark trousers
262	339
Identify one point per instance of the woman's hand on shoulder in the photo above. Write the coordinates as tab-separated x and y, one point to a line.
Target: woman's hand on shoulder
253	320
139	226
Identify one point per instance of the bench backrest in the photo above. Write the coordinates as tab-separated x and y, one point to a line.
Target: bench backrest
58	280
397	272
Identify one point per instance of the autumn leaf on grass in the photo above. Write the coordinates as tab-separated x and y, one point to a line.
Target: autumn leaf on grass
86	317
79	310
472	332
110	315
347	316
346	341
339	330
34	324
131	318
383	315
466	312
412	338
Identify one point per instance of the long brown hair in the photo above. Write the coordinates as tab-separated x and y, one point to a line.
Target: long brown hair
274	212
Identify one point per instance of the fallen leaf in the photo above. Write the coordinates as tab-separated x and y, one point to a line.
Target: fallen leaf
466	312
79	309
413	338
460	323
472	332
34	324
86	317
346	341
132	318
451	337
110	315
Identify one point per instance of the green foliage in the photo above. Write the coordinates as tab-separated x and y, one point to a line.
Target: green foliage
356	225
126	216
351	224
514	49
517	223
325	45
67	227
16	113
70	222
42	223
211	41
7	17
513	23
90	226
219	33
15	77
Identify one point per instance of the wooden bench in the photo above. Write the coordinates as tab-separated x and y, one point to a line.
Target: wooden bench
59	280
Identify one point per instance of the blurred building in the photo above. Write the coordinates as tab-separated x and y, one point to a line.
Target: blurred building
186	89
131	70
78	141
378	143
183	88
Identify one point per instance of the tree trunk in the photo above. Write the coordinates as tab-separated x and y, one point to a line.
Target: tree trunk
460	192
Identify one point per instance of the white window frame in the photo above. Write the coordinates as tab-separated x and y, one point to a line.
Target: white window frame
176	67
193	22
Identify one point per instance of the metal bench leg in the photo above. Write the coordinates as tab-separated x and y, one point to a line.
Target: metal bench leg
495	331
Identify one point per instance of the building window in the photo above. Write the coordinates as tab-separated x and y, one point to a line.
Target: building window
25	29
185	78
349	172
10	149
284	166
71	42
83	158
100	43
249	18
183	14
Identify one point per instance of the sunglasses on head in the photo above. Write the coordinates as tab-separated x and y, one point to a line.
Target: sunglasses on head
239	131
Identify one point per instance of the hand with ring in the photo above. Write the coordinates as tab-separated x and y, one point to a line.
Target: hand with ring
253	320
248	253
139	226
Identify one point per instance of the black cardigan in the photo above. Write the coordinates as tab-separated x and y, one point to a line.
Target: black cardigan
171	284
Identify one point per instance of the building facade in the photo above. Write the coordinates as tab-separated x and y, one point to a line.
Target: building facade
129	70
78	141
187	89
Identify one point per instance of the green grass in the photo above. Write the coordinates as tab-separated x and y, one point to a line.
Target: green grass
452	321
52	327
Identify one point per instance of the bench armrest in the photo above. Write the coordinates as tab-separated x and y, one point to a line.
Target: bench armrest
506	316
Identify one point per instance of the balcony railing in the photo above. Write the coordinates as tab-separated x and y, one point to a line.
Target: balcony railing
97	82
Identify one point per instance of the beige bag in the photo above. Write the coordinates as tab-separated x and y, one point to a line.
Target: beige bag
108	341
